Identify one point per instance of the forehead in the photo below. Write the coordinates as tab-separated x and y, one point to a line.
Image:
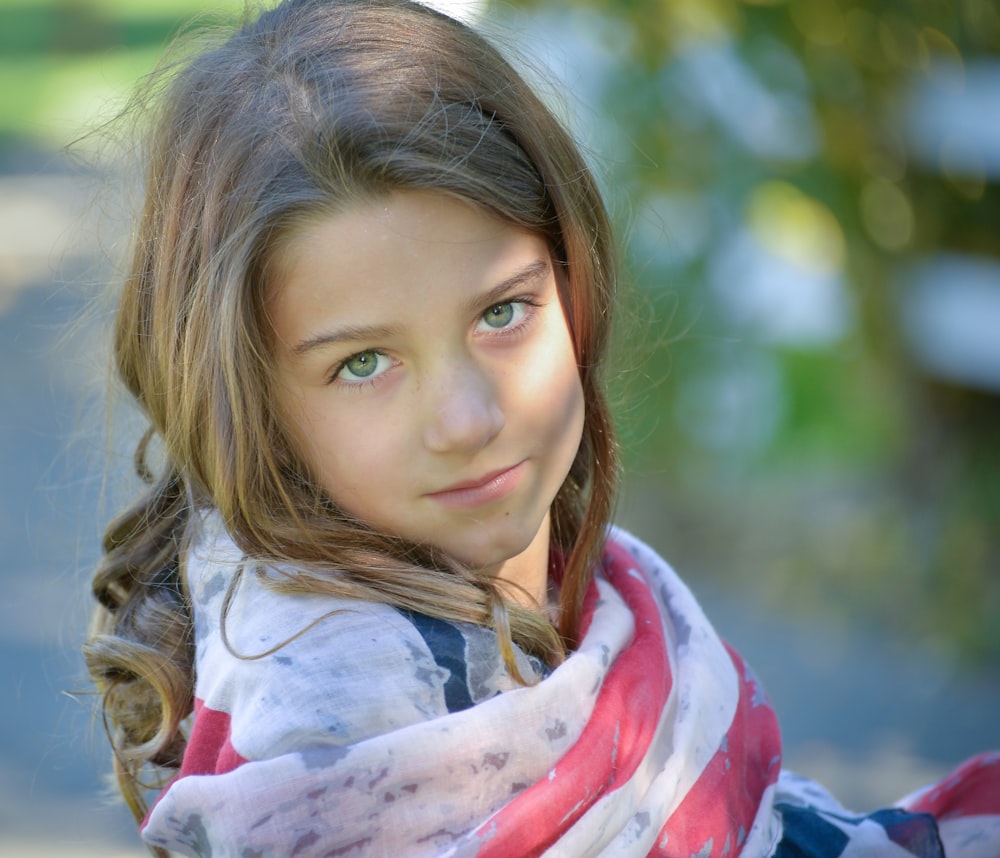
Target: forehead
402	221
380	258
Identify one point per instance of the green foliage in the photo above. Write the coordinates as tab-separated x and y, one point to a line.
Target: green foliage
841	476
67	64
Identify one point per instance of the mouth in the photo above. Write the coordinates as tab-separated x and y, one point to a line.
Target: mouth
491	487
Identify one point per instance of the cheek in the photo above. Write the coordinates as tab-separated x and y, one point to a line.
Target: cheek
288	416
359	459
316	436
575	410
557	397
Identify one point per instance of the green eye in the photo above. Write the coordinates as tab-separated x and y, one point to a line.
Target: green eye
361	365
499	316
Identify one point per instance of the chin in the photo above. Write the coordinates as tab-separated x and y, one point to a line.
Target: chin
485	558
499	550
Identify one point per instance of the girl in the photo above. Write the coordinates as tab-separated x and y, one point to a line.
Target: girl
371	603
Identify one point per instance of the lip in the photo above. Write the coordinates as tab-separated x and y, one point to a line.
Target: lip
486	489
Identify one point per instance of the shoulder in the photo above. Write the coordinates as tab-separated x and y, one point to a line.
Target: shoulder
294	669
642	554
679	607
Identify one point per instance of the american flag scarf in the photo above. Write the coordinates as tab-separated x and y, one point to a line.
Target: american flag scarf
383	733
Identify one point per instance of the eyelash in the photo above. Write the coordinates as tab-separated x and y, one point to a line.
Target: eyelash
530	307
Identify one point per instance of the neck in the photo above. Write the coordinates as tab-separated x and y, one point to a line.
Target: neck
524	579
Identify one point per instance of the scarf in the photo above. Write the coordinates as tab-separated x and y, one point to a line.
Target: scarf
333	728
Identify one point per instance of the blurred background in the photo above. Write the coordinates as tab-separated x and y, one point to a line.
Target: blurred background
808	372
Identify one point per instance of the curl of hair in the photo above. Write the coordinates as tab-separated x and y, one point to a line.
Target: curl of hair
312	108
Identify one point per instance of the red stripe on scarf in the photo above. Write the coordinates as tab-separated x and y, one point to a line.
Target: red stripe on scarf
210	749
721	806
973	789
614	741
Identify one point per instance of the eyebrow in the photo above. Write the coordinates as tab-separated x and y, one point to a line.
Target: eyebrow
348	333
529	274
353	333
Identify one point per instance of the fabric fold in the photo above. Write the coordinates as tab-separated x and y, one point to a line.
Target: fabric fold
653	738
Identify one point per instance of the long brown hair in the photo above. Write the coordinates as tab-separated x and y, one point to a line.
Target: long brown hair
312	107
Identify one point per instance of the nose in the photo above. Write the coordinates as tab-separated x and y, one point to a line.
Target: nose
462	411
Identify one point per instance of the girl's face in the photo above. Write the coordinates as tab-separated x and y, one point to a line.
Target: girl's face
428	376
